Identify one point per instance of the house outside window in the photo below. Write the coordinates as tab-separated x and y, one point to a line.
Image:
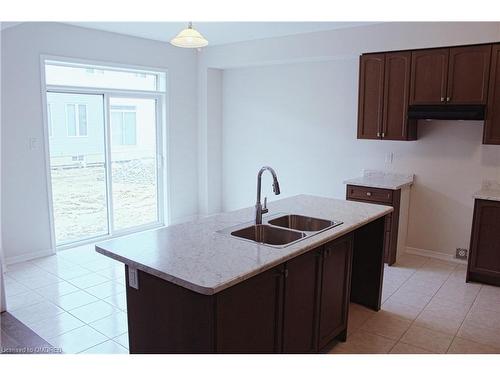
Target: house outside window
76	120
124	125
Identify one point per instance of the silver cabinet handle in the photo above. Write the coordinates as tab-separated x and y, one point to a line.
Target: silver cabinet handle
378	134
442	99
383	135
448	99
368	193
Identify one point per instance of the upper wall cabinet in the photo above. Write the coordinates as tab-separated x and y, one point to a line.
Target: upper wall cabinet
428	76
491	133
395	123
468	75
371	94
384	84
450	75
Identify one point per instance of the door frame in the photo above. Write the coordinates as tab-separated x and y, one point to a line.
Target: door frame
162	149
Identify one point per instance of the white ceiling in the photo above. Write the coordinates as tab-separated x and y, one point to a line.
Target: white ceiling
217	32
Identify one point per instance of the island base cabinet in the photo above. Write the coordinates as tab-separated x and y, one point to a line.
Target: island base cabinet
166	318
248	315
299	306
335	290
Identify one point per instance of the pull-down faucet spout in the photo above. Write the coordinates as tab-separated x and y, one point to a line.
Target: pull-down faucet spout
259	210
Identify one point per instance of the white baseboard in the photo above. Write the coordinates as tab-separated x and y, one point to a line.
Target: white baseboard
433	254
28	256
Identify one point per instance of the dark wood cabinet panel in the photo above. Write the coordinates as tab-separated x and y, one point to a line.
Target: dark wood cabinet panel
371	91
429	76
249	315
385	197
484	260
491	133
302	286
395	123
152	317
335	290
468	73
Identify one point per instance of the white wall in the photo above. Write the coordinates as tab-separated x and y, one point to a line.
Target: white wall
25	211
292	103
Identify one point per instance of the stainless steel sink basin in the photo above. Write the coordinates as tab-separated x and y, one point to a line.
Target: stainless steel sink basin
269	235
280	230
302	223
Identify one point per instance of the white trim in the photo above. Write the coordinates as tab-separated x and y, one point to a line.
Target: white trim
433	254
46	145
29	256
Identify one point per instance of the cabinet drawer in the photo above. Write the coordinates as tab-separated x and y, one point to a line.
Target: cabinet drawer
374	195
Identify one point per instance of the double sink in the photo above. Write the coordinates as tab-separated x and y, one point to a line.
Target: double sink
280	230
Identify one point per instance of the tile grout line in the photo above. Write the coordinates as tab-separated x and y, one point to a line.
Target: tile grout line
413	321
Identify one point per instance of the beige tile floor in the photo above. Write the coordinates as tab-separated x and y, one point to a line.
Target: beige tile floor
76	300
427	308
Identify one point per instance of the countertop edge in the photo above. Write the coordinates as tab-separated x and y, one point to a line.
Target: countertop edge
380	186
218	288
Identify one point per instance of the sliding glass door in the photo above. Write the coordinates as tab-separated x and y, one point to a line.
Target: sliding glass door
134	172
104	164
77	148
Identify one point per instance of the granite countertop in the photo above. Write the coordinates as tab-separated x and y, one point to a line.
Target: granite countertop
490	190
195	256
380	179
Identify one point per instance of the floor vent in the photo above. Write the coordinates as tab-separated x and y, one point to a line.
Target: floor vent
461	253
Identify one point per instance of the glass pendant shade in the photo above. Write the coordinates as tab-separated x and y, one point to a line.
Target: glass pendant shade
189	38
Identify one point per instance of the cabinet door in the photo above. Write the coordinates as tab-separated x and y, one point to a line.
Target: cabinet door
469	70
429	76
396	91
335	289
301	303
491	133
249	315
370	96
484	262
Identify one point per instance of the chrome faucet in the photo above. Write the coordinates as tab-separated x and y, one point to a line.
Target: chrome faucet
259	210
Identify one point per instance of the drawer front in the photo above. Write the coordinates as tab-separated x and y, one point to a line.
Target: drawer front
374	195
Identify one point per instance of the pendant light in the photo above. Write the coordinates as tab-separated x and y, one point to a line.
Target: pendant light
189	38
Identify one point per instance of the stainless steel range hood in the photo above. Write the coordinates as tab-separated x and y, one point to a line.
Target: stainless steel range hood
446	112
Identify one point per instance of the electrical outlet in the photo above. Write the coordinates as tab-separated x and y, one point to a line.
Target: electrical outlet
461	253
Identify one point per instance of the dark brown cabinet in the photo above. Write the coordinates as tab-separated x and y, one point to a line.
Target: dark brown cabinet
385	197
484	259
456	75
383	97
491	133
335	288
429	76
371	93
468	75
300	318
395	123
249	315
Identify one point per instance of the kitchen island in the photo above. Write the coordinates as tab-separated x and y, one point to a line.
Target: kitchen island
191	289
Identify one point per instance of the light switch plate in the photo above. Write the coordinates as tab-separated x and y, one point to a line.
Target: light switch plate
133	281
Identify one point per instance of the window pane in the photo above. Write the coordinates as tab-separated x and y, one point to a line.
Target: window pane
93	76
129	128
116	127
77	169
71	119
82	120
134	165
